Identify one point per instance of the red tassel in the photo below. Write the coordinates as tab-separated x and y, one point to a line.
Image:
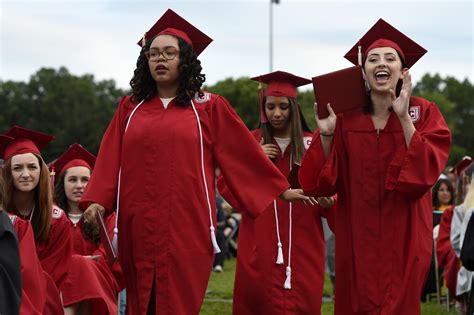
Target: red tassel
263	116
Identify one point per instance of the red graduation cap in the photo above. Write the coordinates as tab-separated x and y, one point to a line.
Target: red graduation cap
383	34
75	155
327	90
461	166
279	84
21	140
171	23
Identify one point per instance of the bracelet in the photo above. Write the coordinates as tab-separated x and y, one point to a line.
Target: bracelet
327	135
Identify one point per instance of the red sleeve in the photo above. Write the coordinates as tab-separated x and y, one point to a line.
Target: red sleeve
443	243
252	179
102	186
317	176
414	170
33	281
224	190
57	251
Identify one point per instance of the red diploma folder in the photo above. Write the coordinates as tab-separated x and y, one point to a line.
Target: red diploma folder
105	239
344	89
293	177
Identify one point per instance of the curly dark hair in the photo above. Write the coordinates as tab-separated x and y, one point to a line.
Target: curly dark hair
190	77
60	199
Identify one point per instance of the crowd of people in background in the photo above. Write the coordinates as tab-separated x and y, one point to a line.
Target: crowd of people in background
182	185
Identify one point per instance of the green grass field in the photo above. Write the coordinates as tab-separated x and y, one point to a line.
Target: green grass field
218	299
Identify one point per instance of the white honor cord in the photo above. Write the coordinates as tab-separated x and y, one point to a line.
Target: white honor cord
115	239
279	260
211	228
287	284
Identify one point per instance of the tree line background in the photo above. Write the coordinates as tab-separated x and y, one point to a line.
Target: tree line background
79	108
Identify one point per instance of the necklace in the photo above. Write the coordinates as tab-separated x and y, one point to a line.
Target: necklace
32	212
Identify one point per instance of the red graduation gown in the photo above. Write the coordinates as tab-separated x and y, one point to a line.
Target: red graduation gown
55	253
259	280
89	279
446	257
383	218
164	219
39	293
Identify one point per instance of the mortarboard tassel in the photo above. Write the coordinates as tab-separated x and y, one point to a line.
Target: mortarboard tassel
287	284
263	117
359	54
144	40
52	176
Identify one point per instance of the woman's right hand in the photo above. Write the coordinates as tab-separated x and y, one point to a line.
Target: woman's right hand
326	125
270	150
89	214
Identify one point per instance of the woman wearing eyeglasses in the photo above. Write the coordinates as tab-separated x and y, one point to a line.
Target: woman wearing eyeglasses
156	166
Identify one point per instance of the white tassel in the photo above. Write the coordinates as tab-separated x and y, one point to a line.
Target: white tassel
280	255
115	240
217	250
359	55
287	284
144	40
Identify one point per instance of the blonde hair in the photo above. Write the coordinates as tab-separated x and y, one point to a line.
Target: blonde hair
42	217
469	199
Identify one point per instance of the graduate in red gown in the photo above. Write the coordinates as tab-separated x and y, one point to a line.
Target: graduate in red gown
34	283
280	262
90	287
382	161
28	195
156	167
447	258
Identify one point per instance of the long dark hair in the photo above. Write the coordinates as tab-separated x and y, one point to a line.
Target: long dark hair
436	187
190	77
43	198
60	199
298	124
369	108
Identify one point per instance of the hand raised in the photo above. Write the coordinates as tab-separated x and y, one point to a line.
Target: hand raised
326	125
401	103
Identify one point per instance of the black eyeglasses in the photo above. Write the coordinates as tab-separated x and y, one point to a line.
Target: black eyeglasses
168	53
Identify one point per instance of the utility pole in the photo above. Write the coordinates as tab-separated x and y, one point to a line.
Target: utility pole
271	32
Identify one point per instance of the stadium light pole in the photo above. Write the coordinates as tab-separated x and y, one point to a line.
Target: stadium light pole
271	32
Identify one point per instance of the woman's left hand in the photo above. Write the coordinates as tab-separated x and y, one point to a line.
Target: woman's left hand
291	195
400	104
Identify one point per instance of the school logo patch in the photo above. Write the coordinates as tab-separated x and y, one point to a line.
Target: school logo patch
57	213
414	112
307	142
205	98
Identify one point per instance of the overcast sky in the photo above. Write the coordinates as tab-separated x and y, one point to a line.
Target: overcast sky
310	37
